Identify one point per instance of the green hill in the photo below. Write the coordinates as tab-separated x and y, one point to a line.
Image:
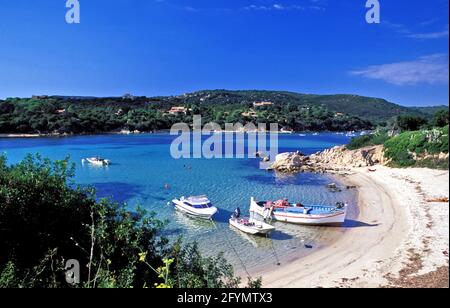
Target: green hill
430	110
300	112
367	108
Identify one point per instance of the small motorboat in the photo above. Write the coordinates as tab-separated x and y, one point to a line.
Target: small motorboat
284	211
199	206
98	161
251	226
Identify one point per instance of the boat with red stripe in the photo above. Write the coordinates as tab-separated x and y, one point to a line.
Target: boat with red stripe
298	213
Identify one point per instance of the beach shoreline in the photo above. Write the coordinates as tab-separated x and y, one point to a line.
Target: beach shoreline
399	238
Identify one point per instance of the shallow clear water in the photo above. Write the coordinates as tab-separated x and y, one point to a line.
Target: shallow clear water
142	166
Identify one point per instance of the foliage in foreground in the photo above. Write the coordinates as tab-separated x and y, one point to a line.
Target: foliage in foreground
44	221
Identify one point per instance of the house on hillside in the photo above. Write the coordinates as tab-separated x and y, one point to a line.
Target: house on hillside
178	110
250	114
262	104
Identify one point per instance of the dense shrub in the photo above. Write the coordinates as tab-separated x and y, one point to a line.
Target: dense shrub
441	118
404	149
410	122
368	140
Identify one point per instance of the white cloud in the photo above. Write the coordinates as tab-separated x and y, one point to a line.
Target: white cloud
276	6
406	32
431	69
314	5
430	35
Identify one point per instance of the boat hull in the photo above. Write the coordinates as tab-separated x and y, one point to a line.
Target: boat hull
259	229
335	218
199	213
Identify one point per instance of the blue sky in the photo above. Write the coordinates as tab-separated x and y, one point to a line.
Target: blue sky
169	47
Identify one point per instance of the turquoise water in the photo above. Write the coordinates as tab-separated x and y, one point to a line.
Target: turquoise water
142	166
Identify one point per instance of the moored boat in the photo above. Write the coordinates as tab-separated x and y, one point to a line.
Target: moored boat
199	206
98	161
300	214
251	226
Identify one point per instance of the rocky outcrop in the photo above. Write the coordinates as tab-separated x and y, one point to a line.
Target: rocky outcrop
337	159
290	162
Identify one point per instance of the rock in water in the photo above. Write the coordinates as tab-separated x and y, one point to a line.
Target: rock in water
337	159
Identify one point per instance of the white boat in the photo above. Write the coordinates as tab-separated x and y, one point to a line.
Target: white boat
350	134
98	161
251	226
199	206
300	214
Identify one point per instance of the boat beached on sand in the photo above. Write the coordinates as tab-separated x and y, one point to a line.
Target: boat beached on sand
251	226
98	161
199	206
284	211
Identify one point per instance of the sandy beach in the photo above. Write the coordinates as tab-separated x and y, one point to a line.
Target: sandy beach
399	239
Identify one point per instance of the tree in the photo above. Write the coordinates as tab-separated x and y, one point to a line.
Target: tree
410	122
441	118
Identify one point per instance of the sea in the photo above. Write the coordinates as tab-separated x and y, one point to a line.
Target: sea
144	173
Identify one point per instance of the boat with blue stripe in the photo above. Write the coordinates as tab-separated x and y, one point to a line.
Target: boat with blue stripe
298	213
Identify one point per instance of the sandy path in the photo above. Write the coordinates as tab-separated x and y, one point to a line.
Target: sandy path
395	222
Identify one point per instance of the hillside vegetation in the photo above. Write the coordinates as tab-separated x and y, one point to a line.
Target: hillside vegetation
419	148
416	142
300	112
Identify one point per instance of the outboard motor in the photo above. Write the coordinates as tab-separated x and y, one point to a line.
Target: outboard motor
237	213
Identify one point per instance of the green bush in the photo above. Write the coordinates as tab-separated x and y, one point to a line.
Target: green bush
441	118
411	122
402	149
368	140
